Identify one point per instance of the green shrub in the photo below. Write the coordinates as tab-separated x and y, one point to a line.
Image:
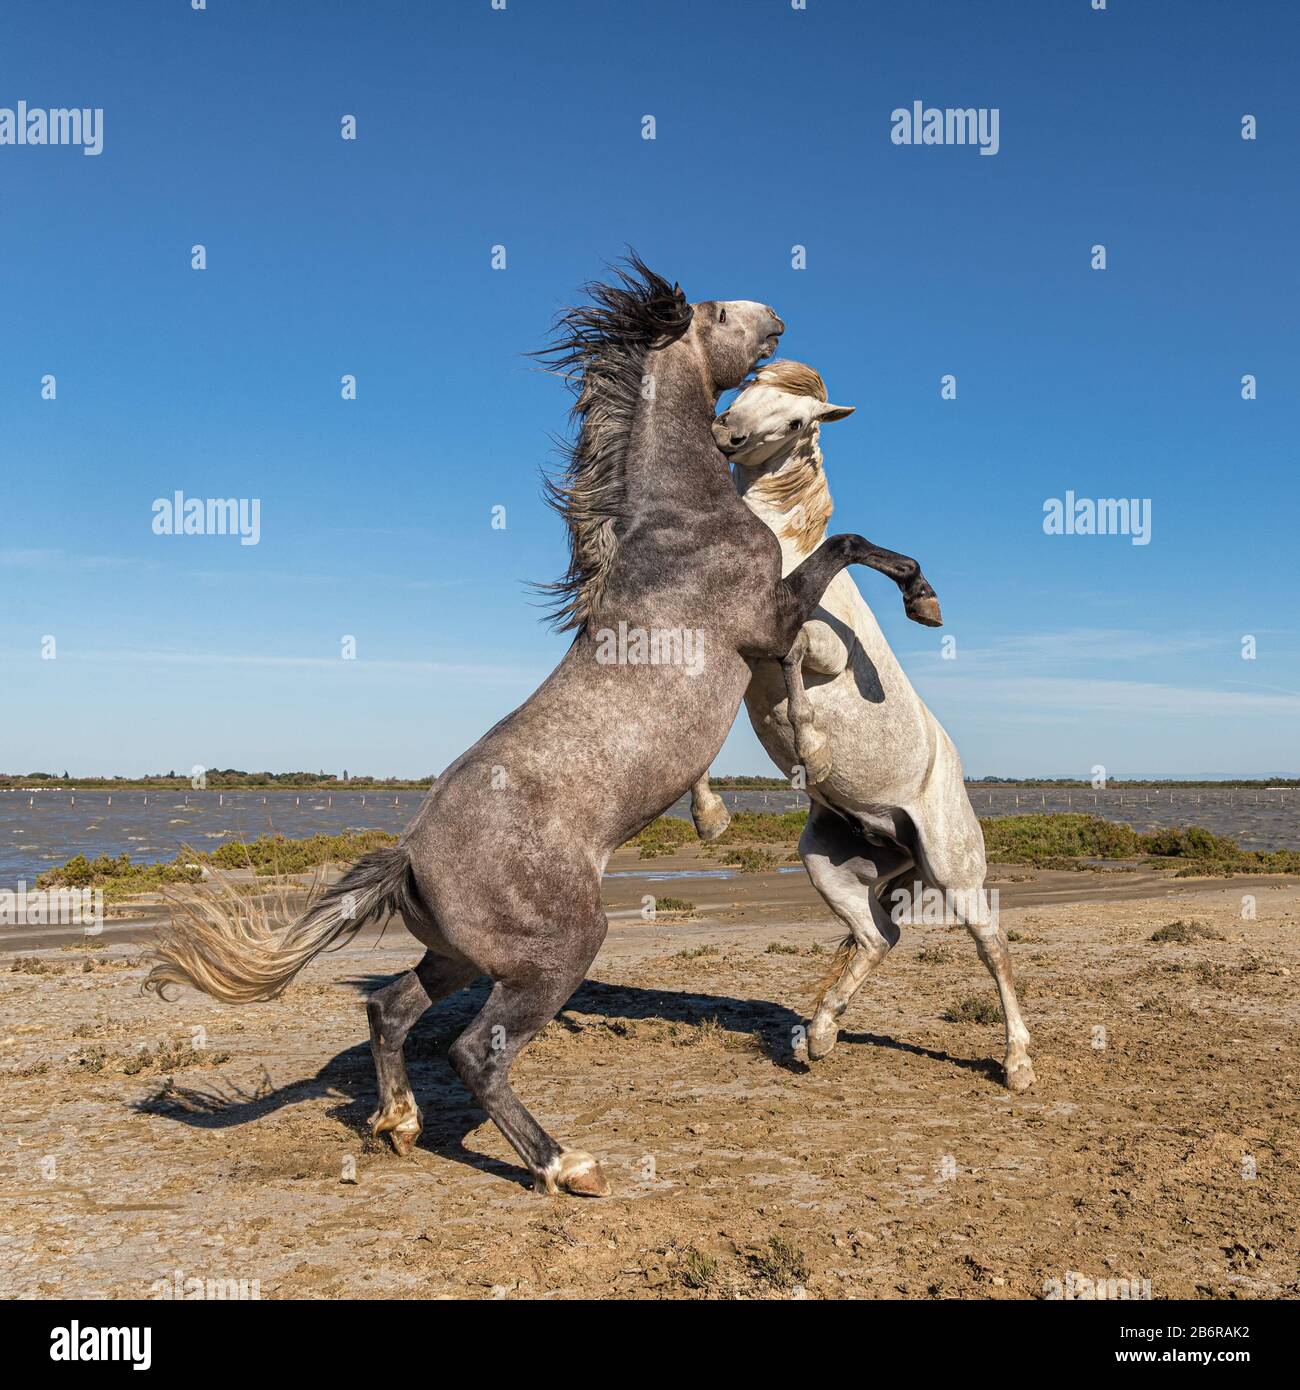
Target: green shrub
274	854
974	1008
663	836
1185	932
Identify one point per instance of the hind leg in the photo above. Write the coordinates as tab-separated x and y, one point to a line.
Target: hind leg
850	873
524	999
392	1012
991	943
951	846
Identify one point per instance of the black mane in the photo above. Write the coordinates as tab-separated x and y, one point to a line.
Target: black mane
600	350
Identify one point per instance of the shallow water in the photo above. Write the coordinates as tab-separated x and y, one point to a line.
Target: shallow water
659	875
39	829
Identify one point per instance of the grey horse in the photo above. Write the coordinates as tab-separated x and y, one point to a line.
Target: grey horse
674	586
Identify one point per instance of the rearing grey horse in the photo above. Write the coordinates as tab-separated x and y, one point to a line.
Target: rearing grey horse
673	586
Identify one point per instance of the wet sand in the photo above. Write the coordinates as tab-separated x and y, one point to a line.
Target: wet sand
1160	1148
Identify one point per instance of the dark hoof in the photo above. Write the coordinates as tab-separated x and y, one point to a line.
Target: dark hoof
925	611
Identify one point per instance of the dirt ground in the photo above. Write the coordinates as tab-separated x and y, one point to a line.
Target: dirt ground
1158	1145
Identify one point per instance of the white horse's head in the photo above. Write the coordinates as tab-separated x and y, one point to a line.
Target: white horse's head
783	405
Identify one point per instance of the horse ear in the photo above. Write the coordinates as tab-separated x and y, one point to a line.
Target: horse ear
828	413
678	293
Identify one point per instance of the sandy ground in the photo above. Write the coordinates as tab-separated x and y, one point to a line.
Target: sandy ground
1158	1145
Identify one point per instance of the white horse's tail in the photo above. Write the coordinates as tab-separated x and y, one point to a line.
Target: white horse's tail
230	947
834	970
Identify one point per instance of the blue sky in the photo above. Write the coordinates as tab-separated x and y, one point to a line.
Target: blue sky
524	128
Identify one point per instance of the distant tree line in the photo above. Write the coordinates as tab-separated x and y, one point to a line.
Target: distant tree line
232	779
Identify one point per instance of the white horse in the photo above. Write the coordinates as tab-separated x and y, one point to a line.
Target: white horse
889	806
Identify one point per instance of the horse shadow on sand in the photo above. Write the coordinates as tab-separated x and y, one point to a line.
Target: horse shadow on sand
450	1113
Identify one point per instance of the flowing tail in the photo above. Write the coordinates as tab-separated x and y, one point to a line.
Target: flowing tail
229	946
839	960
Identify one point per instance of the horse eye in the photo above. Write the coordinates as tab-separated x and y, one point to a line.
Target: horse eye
796	424
722	316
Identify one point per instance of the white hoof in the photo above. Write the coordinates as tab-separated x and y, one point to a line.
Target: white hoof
823	1034
402	1123
1020	1075
816	758
575	1172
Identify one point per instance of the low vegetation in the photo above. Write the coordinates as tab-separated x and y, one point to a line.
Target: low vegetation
1061	841
663	836
779	1265
167	1056
974	1008
752	843
1184	933
119	877
696	952
749	859
275	854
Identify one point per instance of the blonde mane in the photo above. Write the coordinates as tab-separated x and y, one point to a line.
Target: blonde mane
797	378
799	487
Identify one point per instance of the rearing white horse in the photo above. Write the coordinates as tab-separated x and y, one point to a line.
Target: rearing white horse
889	806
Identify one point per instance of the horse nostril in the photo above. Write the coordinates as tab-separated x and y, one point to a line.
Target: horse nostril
738	439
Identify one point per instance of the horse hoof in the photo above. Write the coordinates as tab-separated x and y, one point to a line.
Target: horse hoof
925	611
580	1174
708	828
816	759
1020	1076
821	1040
404	1138
402	1124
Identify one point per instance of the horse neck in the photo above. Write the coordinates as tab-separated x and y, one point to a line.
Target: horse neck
790	496
672	425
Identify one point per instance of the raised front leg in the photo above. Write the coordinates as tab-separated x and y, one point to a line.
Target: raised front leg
811	746
708	811
799	593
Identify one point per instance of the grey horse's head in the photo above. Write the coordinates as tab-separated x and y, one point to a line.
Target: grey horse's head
733	336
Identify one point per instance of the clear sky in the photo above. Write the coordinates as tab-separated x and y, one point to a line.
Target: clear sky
523	128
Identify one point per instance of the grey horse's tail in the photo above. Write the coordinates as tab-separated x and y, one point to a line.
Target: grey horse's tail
229	946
